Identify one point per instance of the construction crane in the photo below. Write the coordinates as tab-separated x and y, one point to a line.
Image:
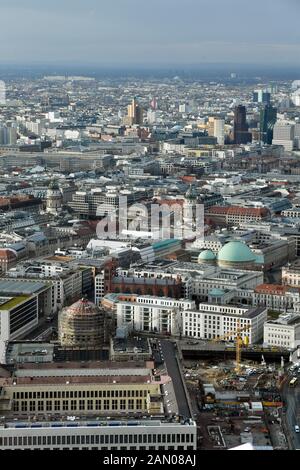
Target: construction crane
239	343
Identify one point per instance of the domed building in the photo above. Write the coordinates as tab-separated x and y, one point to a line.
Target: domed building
189	213
54	198
237	255
207	257
82	326
216	296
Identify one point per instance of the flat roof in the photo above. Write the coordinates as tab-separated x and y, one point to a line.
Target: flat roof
98	423
13	302
130	344
75	380
29	352
93	365
17	286
251	312
143	280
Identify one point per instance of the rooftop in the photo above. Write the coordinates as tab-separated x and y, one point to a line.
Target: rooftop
207	255
98	423
13	302
79	379
16	286
236	252
131	344
246	312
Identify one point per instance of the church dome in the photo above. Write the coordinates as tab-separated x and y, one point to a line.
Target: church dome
216	292
206	256
236	252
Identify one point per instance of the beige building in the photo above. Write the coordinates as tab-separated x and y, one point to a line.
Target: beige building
69	388
135	114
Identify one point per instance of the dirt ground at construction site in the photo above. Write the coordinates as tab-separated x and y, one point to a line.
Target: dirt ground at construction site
223	421
223	375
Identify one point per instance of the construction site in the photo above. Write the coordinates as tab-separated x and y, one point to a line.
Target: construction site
236	400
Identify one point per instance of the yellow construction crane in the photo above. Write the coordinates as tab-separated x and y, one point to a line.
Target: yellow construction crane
239	342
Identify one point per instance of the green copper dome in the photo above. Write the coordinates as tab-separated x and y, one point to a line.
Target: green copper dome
216	292
207	255
236	252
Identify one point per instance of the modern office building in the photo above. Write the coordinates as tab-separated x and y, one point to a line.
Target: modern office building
241	134
213	320
148	313
284	134
261	96
283	332
18	316
135	114
268	117
99	435
8	135
219	130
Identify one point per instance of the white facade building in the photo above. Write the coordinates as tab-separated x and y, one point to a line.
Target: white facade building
219	130
213	321
97	435
18	316
283	332
156	314
227	280
284	134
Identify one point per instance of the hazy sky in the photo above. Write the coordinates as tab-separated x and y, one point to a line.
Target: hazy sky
152	32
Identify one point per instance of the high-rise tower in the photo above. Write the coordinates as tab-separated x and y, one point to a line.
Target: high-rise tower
135	113
268	117
240	131
219	130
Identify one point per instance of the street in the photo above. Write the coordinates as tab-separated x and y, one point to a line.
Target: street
292	417
169	355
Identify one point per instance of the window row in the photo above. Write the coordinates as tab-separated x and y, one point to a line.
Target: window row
82	394
81	405
97	439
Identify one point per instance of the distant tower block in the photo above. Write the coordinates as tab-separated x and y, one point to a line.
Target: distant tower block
135	114
54	199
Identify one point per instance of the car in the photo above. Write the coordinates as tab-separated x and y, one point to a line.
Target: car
297	429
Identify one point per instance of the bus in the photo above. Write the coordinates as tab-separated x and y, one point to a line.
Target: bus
293	382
